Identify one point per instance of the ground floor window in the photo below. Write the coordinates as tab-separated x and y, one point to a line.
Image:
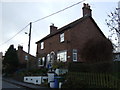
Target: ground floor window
74	54
41	61
62	56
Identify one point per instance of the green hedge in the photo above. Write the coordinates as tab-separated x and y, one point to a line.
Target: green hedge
116	66
32	72
89	67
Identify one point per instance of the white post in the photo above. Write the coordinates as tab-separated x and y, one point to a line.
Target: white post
50	77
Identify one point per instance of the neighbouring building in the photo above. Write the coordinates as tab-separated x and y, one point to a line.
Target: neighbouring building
65	44
24	56
1	58
116	56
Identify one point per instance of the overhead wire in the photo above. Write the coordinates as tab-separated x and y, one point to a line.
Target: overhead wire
40	20
58	11
14	35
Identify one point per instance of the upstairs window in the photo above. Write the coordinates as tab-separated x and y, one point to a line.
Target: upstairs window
74	54
62	37
42	45
26	57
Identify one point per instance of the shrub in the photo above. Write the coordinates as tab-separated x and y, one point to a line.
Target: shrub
88	67
97	50
73	81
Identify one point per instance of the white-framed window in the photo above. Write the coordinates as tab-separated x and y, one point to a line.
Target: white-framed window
41	61
74	54
48	58
62	56
42	45
62	37
26	57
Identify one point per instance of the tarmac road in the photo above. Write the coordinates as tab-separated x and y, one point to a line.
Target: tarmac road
10	84
7	85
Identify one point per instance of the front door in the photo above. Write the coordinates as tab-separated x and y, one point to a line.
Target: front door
52	57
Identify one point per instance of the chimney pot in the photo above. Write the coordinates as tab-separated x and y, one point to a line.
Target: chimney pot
86	10
20	47
84	5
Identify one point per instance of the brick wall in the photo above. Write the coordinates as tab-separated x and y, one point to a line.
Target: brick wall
21	55
75	38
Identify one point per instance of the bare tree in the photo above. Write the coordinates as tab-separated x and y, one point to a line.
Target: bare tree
113	22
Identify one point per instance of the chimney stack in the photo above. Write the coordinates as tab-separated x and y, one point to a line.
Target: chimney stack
86	10
20	47
53	29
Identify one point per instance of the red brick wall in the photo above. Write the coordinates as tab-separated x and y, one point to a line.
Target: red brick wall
54	44
74	39
21	57
82	33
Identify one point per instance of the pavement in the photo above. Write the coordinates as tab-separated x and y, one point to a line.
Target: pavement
23	84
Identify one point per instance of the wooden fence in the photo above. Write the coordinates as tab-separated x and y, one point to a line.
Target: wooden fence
94	80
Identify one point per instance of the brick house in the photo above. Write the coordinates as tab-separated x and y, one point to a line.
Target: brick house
23	57
65	44
1	56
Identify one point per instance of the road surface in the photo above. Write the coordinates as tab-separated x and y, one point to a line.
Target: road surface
7	85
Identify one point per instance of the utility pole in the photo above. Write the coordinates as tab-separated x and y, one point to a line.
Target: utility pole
29	37
29	45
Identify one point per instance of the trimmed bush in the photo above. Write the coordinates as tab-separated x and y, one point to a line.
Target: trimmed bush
88	67
97	50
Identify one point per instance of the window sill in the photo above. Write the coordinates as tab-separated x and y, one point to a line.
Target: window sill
40	65
62	42
74	60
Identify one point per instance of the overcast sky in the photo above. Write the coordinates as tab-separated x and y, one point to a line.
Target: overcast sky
16	15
